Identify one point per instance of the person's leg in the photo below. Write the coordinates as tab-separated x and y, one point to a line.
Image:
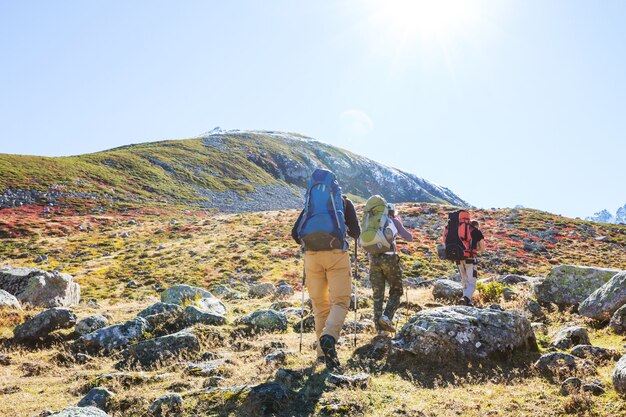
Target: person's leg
393	273
463	273
317	286
470	282
377	279
339	278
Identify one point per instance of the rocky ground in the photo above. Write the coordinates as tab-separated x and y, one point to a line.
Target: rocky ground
153	313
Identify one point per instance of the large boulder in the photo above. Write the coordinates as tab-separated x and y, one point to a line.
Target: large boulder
44	323
40	288
265	320
570	336
606	300
154	352
9	301
91	324
446	289
442	333
80	412
185	295
571	284
114	337
618	321
619	376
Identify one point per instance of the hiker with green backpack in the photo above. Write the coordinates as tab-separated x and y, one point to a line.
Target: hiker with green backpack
321	229
380	228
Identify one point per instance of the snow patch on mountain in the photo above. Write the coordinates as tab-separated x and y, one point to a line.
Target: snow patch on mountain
605	216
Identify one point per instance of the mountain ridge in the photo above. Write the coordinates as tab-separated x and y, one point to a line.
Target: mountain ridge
605	216
233	171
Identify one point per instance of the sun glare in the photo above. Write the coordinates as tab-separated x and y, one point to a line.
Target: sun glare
428	20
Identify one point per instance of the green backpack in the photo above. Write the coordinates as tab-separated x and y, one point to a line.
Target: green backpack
377	229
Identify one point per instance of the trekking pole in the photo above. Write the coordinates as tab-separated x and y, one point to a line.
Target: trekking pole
302	305
356	289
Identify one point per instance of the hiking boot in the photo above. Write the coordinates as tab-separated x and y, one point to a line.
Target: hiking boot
327	344
467	301
386	324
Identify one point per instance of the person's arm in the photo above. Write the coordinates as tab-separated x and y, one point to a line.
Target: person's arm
294	229
352	223
402	232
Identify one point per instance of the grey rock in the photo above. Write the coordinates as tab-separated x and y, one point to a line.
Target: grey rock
263	289
571	385
213	381
534	309
278	356
40	288
5	360
164	318
512	279
570	336
132	284
559	366
571	284
448	290
167	405
465	332
221	290
292	379
114	337
185	295
266	320
91	324
595	354
354	381
362	326
41	258
266	399
606	300
308	325
619	376
594	388
193	315
44	323
99	397
151	353
210	368
80	412
284	291
9	301
618	321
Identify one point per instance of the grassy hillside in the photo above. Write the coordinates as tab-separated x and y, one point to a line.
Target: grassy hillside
242	171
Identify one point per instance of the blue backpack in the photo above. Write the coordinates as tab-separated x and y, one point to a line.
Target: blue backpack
323	225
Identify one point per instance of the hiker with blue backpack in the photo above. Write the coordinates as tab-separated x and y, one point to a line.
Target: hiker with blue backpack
321	229
380	229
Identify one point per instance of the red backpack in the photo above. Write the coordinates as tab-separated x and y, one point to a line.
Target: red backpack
458	236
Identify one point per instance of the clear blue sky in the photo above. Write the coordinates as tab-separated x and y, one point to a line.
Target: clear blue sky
504	102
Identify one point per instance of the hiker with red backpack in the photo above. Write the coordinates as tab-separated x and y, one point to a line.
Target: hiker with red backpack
321	229
380	228
462	240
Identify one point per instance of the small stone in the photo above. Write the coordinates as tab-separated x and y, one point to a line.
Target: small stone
213	381
264	289
80	412
361	381
167	405
447	290
570	336
266	320
557	365
91	324
5	360
571	385
41	258
596	354
193	315
9	301
284	291
132	284
278	356
97	397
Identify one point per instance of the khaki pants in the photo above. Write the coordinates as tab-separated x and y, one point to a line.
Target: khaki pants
329	282
467	279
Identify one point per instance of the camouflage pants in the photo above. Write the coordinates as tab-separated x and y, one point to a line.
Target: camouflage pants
385	269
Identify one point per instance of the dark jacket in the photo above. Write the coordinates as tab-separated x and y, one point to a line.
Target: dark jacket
349	215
